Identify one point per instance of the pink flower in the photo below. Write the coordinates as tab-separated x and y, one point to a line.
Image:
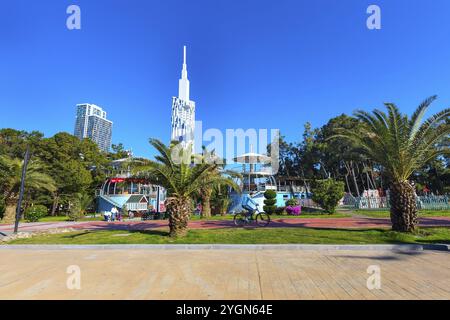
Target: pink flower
294	211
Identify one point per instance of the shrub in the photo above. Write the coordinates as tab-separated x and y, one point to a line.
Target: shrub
294	210
76	211
280	211
35	213
270	201
291	202
327	194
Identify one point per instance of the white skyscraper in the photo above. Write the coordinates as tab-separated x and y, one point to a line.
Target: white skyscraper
91	123
183	110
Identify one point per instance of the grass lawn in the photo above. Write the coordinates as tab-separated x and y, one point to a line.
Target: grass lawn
385	213
247	236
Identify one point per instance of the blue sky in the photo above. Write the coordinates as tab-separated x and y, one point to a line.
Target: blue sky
252	63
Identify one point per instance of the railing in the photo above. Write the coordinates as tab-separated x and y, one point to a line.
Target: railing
371	203
433	203
137	206
423	202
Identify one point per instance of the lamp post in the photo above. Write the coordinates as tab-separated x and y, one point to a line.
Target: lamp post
157	200
22	188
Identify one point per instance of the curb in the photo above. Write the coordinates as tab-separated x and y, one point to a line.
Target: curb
319	247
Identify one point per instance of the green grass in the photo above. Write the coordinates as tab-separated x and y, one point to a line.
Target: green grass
317	214
247	236
385	213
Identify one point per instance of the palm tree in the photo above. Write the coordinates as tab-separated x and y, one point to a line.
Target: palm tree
401	145
221	199
10	177
79	204
218	178
181	179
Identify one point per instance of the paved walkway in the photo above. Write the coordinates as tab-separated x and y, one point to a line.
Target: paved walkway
332	223
222	274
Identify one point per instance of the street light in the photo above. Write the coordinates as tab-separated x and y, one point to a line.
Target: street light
22	189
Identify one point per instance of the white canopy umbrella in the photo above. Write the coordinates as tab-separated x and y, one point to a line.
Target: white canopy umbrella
252	158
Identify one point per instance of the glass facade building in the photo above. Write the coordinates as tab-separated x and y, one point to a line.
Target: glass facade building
91	123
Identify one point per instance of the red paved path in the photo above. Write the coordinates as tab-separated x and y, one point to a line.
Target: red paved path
330	223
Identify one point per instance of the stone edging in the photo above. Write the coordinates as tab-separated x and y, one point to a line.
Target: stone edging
320	247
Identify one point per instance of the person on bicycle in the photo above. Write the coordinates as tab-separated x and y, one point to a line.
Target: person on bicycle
249	204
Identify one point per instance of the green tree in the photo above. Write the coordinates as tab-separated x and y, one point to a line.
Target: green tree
76	166
13	143
340	158
270	201
118	152
327	193
401	145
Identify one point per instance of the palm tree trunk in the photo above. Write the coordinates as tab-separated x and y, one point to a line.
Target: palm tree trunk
10	211
348	185
354	180
179	211
402	198
55	205
206	205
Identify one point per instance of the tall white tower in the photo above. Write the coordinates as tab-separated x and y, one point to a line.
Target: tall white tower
183	110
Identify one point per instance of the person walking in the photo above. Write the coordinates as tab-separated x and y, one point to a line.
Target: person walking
114	212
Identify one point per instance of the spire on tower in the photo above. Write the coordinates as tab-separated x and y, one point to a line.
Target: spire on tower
184	72
183	92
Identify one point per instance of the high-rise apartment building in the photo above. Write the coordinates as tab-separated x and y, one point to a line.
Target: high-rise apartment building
91	123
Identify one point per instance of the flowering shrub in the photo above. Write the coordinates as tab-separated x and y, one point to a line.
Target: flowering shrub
294	211
34	213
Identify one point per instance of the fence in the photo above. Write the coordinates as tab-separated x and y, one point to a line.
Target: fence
433	203
423	202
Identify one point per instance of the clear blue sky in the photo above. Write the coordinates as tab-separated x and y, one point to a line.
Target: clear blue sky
252	63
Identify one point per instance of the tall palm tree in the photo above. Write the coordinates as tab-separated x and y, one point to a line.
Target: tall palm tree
181	179
401	145
10	178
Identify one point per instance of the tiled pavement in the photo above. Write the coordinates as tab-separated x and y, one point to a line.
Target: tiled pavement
223	274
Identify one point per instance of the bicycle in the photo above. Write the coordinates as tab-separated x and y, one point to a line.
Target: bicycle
261	218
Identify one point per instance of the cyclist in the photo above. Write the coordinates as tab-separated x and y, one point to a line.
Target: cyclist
249	204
